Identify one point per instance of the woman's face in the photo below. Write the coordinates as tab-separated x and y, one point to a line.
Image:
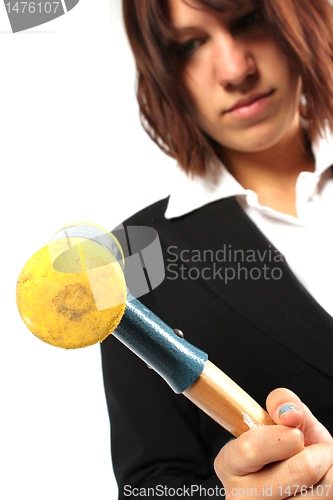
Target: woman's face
243	91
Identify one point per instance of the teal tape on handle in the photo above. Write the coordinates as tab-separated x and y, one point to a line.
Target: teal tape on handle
176	360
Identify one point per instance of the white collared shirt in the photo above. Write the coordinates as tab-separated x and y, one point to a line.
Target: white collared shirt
305	241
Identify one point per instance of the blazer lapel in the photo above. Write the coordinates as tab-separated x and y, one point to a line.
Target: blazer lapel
259	283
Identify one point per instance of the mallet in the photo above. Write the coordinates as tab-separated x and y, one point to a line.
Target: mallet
72	293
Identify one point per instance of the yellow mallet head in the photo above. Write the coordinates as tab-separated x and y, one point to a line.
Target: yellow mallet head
72	292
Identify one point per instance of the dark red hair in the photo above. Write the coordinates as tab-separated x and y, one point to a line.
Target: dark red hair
304	30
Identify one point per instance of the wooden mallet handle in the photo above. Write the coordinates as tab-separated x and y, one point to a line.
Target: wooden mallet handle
225	402
187	370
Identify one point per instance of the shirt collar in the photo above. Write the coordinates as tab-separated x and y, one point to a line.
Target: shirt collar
191	193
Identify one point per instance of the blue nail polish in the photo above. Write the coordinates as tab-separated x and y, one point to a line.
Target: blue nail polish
285	408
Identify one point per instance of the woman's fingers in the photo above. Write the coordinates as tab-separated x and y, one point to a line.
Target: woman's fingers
297	474
321	490
293	458
284	478
255	448
286	408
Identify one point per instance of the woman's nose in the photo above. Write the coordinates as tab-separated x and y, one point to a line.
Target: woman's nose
233	61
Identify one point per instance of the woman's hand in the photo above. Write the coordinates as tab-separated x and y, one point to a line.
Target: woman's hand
294	457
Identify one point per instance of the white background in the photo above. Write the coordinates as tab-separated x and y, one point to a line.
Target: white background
71	150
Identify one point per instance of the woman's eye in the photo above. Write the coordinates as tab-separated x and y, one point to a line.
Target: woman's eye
187	48
248	20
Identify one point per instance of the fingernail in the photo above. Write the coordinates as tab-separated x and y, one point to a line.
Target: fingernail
285	408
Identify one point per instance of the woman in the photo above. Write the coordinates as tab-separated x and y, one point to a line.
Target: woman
241	94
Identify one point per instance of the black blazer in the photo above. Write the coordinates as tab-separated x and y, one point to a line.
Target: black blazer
262	328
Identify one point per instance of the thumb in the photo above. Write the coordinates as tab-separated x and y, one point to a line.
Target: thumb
286	408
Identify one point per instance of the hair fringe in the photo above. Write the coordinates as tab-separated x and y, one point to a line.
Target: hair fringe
304	30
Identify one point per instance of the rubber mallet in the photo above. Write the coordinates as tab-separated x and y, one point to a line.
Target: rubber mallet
72	293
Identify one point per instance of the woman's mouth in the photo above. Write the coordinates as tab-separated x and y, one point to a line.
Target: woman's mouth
250	106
